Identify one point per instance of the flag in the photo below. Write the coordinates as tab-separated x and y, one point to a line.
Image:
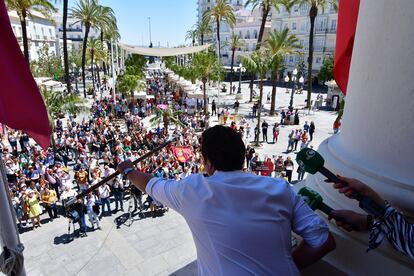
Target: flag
21	105
345	34
182	154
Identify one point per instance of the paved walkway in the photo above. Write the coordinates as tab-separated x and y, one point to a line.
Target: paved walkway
151	246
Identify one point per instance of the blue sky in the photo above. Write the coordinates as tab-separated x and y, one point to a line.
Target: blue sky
170	20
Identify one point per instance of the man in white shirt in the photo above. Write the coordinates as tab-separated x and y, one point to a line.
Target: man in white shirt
241	223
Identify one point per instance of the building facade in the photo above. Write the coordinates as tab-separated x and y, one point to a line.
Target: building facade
247	28
298	23
225	31
74	31
40	31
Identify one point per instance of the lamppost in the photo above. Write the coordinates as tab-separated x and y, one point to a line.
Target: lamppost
241	70
75	74
294	81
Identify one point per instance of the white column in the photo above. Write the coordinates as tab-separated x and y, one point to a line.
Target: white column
376	142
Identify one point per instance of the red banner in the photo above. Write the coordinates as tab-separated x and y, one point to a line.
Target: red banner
345	35
182	154
21	105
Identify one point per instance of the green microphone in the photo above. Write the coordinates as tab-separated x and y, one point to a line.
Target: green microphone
312	162
314	200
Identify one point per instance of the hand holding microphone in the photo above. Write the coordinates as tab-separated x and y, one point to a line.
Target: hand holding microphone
311	161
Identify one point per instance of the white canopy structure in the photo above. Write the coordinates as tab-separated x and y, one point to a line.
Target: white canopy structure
163	52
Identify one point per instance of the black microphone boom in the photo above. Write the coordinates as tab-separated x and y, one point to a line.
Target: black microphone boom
115	174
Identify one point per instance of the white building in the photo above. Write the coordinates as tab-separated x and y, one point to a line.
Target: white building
75	32
299	24
247	28
225	30
40	31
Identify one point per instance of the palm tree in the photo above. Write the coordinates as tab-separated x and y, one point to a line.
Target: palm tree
94	45
100	56
108	27
90	15
57	103
259	63
167	116
278	45
234	44
313	12
203	29
109	36
191	35
266	6
129	83
86	12
23	8
207	67
222	11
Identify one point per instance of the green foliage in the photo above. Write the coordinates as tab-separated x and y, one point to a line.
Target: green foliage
134	65
47	65
206	67
57	103
127	83
326	72
301	68
166	116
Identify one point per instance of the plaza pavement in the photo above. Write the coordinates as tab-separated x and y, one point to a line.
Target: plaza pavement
150	246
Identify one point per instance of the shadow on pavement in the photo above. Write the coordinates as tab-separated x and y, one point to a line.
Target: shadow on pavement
188	270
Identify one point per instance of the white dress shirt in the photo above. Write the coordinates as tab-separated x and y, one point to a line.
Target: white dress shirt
241	223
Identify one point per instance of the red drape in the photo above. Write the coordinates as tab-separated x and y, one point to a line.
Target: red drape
347	22
21	105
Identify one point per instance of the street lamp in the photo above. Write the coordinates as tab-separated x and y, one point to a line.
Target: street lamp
242	70
294	80
75	73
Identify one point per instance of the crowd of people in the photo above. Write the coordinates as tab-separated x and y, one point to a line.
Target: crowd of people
85	151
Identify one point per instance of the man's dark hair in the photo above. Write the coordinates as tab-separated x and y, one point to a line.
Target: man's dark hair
224	148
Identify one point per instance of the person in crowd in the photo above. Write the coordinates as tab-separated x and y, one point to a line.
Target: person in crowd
104	194
265	126
297	137
391	224
311	130
213	108
33	206
82	179
49	199
236	106
291	141
92	209
254	109
196	197
301	173
282	117
275	131
289	166
306	126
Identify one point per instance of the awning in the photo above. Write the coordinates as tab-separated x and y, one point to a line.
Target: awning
163	52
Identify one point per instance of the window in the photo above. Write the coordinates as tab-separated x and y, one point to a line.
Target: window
333	25
14	30
43	31
296	8
290	59
304	8
240	34
303	26
50	32
255	34
293	26
318	60
248	34
36	44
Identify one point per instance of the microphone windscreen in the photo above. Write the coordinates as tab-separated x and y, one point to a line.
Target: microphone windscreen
312	198
310	160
